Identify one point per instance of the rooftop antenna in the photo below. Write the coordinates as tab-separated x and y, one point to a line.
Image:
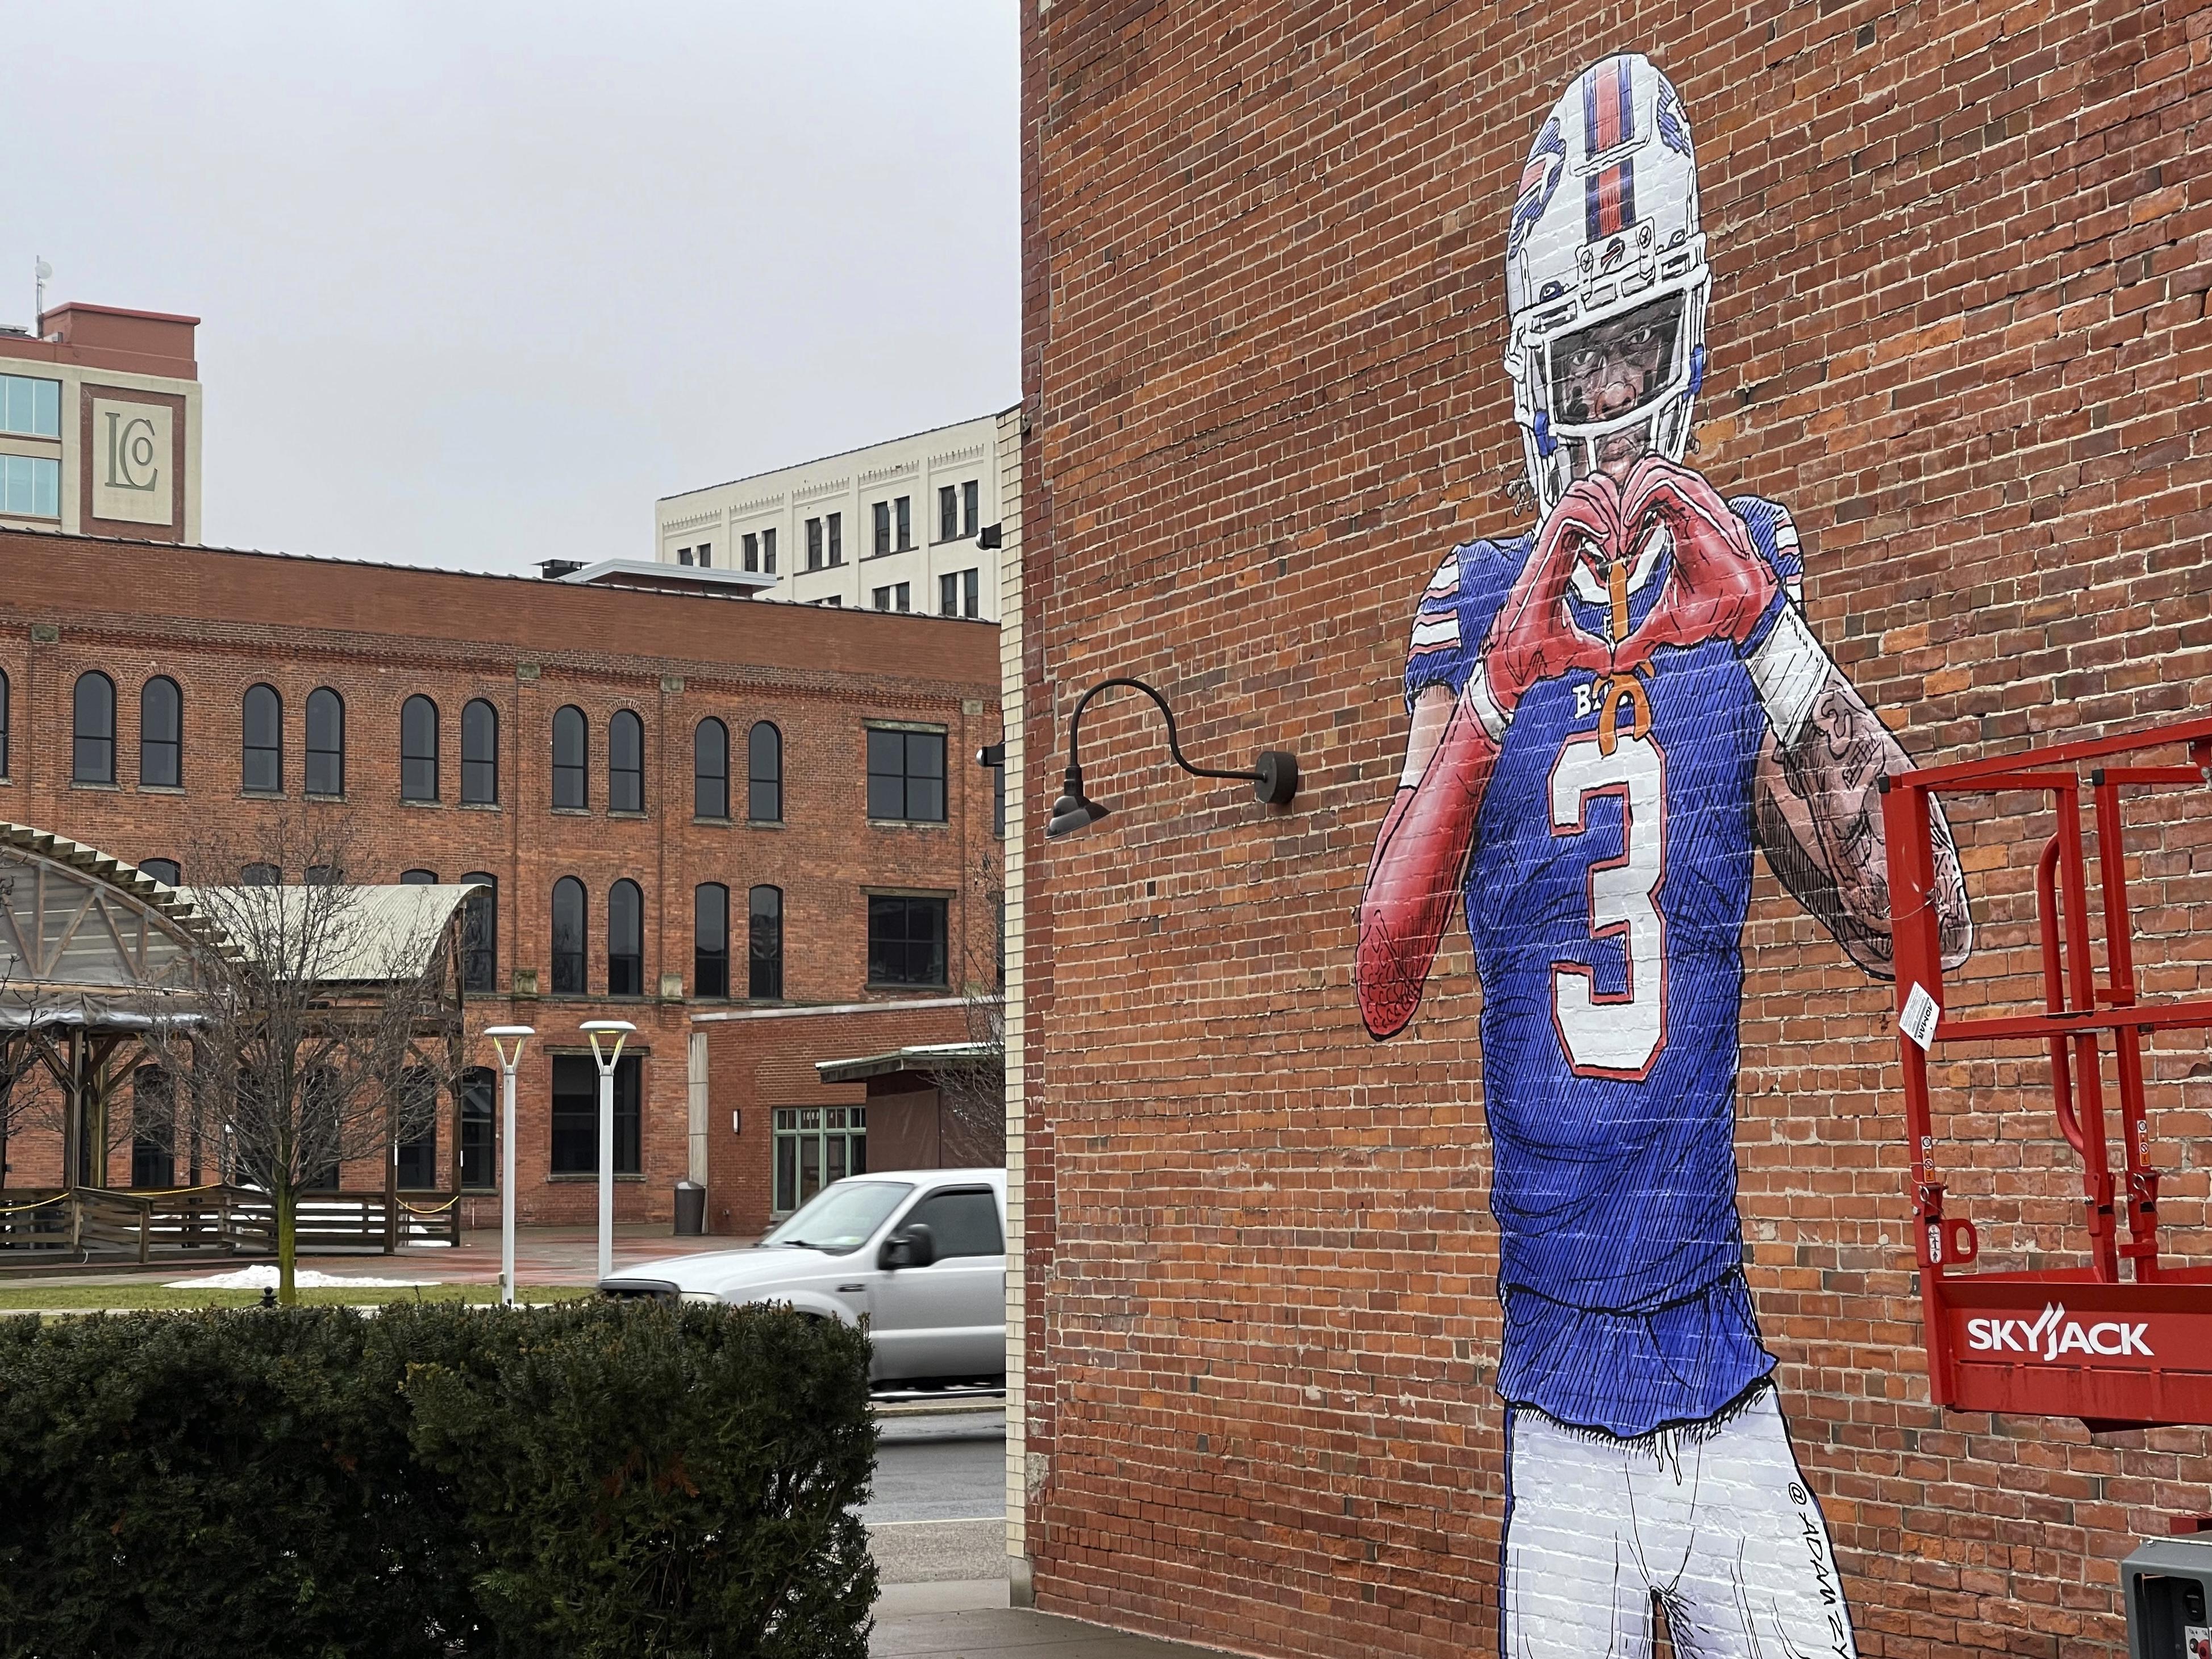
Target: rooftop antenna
40	271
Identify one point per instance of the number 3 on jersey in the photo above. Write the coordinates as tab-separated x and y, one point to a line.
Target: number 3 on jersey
1616	1034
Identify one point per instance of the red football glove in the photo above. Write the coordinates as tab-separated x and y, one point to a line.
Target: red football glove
1533	637
1719	587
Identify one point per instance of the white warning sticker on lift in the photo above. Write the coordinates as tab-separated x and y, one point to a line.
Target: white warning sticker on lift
1917	1021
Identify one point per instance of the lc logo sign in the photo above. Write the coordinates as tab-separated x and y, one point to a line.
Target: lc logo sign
2050	1335
132	450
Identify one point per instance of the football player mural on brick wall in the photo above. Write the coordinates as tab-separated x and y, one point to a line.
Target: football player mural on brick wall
1608	714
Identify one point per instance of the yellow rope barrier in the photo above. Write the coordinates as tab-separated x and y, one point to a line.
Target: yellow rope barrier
25	1209
434	1209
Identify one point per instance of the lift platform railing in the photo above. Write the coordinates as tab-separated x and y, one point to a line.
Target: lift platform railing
2085	1341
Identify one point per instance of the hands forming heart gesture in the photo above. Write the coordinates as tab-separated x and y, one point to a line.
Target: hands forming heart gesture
1718	586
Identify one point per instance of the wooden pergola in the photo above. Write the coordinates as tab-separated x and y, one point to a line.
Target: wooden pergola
94	954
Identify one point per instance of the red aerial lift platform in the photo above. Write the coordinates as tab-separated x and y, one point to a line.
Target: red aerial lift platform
2118	1351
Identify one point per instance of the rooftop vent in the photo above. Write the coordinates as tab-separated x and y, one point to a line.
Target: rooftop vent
553	569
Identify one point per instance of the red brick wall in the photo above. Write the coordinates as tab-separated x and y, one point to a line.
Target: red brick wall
217	622
757	1065
1960	260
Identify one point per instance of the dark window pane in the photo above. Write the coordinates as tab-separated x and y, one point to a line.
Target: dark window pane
971	497
625	941
836	538
576	1149
948	594
905	775
418	749
764	943
93	757
479	1128
326	743
962	1223
905	505
625	763
764	774
261	875
948	513
418	877
710	770
3	725
479	754
906	940
710	940
164	870
480	934
883	526
569	937
161	734
262	752
569	788
418	1154
152	1129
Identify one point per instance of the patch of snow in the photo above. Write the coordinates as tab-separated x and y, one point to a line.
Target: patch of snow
263	1277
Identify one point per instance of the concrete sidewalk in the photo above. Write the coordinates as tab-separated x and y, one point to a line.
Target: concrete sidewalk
968	1618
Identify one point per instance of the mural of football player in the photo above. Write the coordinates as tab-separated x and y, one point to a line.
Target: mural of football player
1608	714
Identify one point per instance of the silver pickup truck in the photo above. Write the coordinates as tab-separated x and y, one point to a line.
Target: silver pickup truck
919	1254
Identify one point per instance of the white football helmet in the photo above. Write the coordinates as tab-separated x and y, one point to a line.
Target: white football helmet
1604	245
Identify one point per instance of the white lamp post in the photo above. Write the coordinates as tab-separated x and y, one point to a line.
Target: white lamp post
501	1036
618	1030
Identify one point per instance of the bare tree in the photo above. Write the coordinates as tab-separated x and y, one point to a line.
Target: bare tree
330	1030
972	1087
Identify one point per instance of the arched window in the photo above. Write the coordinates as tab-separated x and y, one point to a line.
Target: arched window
567	936
92	759
479	1128
710	769
480	934
418	877
710	940
161	734
479	754
326	743
764	943
764	774
418	749
261	875
569	788
625	763
3	723
164	870
261	752
625	941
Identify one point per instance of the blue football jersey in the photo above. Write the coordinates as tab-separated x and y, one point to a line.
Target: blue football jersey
1606	892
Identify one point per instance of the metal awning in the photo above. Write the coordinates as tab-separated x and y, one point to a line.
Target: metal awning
923	1059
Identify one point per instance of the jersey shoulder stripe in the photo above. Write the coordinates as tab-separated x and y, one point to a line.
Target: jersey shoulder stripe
1455	611
1774	534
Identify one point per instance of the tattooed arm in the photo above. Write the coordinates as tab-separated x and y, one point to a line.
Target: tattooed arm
1819	804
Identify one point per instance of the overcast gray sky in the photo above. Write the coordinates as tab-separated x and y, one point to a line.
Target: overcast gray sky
479	282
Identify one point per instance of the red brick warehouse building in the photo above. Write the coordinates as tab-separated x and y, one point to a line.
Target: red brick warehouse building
680	802
1300	281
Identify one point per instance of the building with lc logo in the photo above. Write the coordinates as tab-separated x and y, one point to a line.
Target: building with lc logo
99	424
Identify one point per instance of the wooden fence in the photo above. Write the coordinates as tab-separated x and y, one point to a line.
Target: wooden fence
88	1223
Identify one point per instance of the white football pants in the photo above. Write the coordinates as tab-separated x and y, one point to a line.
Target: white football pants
1713	1520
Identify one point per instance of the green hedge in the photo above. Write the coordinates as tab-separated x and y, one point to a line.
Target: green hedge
435	1481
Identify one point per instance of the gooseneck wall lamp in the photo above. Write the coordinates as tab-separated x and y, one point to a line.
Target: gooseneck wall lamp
1274	776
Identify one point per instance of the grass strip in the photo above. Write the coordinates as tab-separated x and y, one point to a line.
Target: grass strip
162	1297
